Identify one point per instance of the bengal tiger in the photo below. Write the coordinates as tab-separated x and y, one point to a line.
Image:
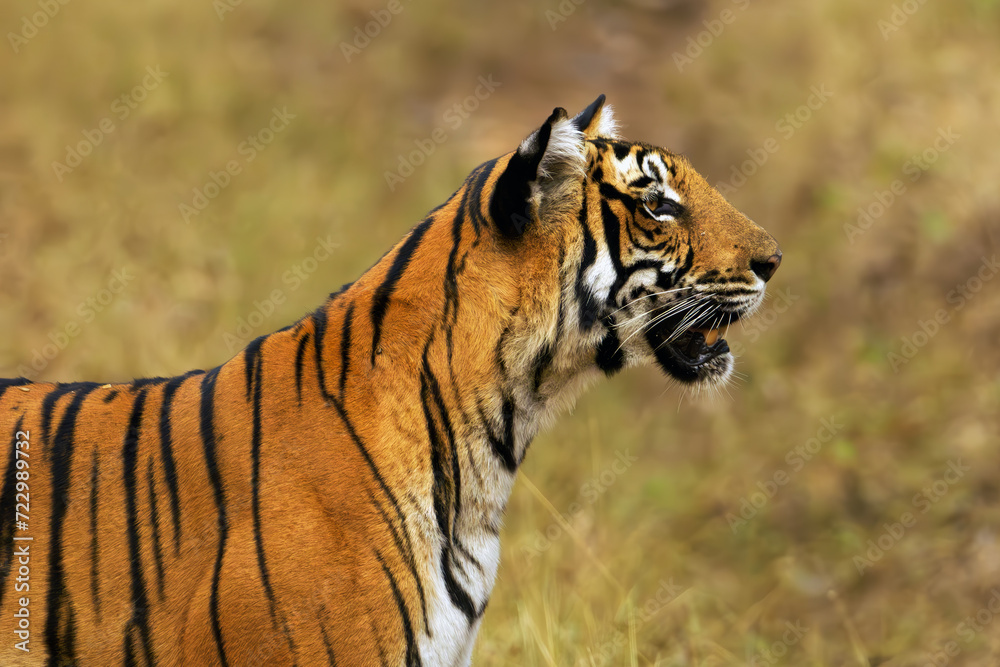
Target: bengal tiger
334	494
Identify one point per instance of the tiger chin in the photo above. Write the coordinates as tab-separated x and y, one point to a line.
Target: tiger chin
334	494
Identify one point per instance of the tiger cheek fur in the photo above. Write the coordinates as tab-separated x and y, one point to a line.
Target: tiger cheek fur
334	494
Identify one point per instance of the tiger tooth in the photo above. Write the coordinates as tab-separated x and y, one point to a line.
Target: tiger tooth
711	335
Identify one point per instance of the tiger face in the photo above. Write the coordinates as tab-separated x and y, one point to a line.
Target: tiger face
667	264
690	263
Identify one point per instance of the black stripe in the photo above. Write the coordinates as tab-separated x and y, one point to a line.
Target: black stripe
459	596
447	486
258	535
610	357
130	640
167	456
443	488
621	149
95	554
345	348
154	516
380	301
14	382
586	301
49	406
139	383
319	323
255	382
612	233
60	621
111	396
686	266
378	642
139	622
412	655
250	358
331	659
641	154
300	354
207	427
451	295
451	447
502	444
472	199
8	504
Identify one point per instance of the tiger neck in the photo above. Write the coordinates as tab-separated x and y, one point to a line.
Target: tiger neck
557	340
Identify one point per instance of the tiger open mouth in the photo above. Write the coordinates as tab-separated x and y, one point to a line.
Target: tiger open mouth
699	353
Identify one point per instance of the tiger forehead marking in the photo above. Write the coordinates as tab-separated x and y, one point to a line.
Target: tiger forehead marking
386	428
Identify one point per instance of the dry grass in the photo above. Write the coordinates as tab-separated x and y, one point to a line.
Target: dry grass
648	569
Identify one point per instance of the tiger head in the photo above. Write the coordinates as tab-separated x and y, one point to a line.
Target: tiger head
654	263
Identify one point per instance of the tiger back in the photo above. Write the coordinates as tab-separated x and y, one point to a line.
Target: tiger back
334	494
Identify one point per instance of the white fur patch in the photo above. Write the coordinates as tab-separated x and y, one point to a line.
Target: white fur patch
564	150
601	275
607	124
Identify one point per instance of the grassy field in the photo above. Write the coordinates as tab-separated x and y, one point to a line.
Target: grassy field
838	505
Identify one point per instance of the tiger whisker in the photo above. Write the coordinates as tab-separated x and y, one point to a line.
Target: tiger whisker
684	324
634	301
687	302
673	305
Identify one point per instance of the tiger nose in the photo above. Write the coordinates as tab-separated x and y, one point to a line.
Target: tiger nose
766	268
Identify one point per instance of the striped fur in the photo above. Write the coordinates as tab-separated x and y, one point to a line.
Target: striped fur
334	494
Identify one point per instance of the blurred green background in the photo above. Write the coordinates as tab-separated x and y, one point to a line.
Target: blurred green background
837	505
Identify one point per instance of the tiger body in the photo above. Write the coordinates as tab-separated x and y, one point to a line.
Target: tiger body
334	494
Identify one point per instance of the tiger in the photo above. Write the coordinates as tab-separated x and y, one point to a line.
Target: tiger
334	494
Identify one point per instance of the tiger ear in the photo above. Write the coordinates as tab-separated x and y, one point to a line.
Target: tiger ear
540	165
597	120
